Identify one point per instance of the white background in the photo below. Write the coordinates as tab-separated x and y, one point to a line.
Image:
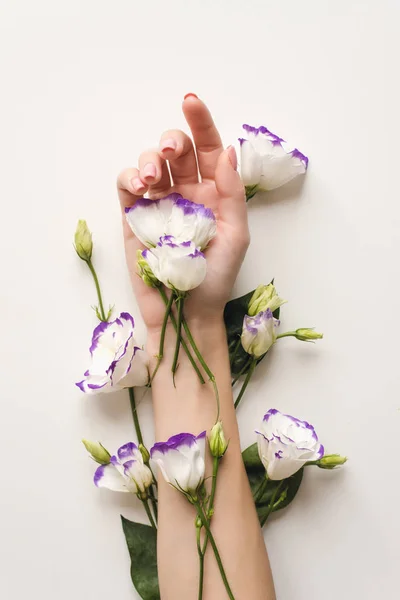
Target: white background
85	86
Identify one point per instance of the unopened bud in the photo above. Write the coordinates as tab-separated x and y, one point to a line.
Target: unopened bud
218	443
97	452
308	334
83	241
330	461
145	453
145	272
264	297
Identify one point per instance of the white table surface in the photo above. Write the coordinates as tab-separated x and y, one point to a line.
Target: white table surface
85	86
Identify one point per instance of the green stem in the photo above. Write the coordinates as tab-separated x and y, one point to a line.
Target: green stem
246	364
153	498
203	364
216	462
201	563
179	304
96	283
135	416
287	334
259	493
139	437
184	344
148	511
246	381
271	504
206	526
162	337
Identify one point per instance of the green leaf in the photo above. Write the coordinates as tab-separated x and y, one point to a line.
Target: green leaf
256	475
142	546
234	313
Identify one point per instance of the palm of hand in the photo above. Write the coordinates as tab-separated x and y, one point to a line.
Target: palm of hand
222	192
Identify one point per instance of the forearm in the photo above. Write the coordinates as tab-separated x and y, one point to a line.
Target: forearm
191	407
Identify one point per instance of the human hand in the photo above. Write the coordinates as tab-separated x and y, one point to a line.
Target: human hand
219	187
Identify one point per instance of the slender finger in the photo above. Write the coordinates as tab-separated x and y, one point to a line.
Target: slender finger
205	135
150	167
178	149
130	189
231	205
154	171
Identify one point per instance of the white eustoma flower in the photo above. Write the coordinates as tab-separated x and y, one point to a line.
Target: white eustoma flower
265	163
259	333
173	215
182	461
178	265
126	472
285	444
116	360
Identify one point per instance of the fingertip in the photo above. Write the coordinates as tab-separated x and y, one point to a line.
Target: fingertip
190	95
137	185
168	147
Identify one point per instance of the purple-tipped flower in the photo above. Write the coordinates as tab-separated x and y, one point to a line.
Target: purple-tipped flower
285	444
181	461
116	360
178	265
173	215
259	333
126	472
265	163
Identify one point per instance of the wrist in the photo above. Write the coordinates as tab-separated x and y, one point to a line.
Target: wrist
208	333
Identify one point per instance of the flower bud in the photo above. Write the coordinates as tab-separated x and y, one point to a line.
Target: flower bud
97	452
145	272
217	441
264	297
145	453
308	334
83	241
330	461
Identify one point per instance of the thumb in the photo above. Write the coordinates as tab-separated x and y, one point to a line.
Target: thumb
232	204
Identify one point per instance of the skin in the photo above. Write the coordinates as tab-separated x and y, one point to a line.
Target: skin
190	406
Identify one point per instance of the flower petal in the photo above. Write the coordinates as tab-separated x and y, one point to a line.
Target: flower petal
175	467
107	476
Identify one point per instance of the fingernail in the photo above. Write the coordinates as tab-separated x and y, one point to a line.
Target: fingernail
190	94
232	156
137	184
168	145
149	171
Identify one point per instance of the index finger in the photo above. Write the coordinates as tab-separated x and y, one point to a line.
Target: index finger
205	135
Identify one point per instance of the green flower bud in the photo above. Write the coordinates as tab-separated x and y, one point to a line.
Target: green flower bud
308	334
145	453
264	297
217	441
330	461
97	452
145	272
83	241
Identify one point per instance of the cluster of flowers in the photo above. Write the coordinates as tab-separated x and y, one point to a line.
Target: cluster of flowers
285	445
176	233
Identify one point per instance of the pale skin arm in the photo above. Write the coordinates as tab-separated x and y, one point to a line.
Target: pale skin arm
191	406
